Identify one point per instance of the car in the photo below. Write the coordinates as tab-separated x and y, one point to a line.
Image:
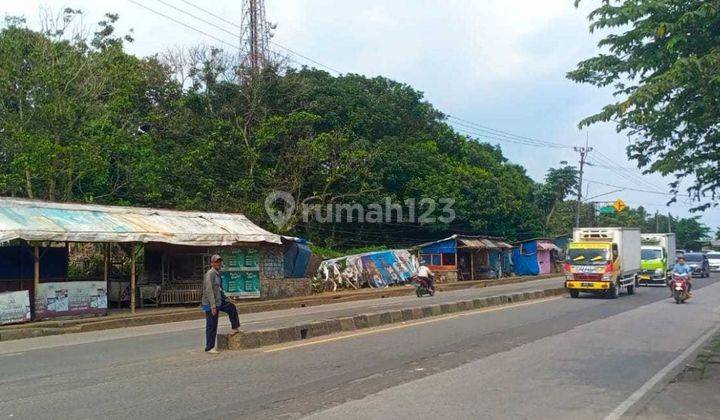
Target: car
699	264
714	260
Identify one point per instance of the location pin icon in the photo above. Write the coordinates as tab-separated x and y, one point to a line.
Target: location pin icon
280	216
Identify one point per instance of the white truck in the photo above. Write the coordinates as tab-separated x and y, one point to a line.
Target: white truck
657	258
603	261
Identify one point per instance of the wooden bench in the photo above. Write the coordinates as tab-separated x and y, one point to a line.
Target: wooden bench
181	293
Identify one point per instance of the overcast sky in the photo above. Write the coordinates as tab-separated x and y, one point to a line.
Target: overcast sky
497	63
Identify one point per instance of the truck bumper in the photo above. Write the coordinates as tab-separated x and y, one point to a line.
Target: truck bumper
588	286
651	280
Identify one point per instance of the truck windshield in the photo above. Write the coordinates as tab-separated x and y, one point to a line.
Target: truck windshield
587	256
651	254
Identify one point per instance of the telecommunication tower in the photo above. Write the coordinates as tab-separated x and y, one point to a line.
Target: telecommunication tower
255	35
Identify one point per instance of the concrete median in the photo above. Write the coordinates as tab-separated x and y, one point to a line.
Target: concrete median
273	336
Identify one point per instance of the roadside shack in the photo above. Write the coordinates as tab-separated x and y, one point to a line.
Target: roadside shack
127	254
465	257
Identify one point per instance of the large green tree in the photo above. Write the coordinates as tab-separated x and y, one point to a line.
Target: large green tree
662	59
85	121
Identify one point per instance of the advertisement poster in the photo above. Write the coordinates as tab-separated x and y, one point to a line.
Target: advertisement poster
71	298
241	273
14	307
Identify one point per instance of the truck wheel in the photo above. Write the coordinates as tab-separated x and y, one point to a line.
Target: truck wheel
613	292
574	294
631	290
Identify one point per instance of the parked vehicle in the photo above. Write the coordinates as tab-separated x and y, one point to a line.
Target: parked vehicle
657	255
603	261
699	264
713	260
422	287
680	287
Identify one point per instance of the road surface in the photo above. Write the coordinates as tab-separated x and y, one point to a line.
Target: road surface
552	358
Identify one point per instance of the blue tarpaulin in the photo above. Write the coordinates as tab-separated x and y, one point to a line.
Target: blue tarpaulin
447	246
296	259
525	262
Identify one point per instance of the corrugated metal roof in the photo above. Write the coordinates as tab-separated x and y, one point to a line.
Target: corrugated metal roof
502	244
32	220
477	243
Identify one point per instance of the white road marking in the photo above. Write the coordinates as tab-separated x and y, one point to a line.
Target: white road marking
11	354
662	373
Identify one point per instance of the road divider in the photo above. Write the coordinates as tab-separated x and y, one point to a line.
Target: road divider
273	336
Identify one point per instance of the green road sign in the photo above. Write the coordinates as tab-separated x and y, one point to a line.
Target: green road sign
607	210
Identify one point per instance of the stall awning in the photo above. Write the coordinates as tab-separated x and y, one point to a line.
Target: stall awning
477	243
32	220
547	246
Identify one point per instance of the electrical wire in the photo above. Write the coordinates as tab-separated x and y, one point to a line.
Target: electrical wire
508	134
184	24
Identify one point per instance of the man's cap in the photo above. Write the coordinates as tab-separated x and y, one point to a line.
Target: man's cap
215	257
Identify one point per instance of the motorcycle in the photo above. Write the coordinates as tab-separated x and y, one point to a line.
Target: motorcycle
679	287
422	287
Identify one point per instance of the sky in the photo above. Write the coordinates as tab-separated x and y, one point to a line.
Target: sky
496	63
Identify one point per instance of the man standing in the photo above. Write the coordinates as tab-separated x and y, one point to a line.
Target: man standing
213	300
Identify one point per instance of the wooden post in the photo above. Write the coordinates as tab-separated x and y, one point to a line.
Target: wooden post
36	277
106	265
472	265
458	273
133	258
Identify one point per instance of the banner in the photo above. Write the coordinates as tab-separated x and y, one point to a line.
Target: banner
241	273
375	269
14	307
71	298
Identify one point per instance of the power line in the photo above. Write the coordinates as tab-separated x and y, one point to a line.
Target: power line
500	139
210	13
629	172
184	24
633	189
506	134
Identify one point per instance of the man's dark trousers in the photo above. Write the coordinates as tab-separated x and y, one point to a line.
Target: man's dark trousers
212	322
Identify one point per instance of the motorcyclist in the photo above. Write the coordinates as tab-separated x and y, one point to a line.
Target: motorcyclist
680	268
424	274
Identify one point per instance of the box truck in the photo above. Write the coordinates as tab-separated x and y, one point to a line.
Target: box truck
657	258
603	261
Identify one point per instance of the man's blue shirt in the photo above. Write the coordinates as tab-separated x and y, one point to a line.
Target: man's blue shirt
682	269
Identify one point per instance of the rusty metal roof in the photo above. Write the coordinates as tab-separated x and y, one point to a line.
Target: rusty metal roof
33	220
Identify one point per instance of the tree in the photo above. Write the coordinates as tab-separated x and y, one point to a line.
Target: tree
559	183
662	62
690	232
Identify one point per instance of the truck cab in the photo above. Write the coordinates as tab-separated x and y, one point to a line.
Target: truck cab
657	257
653	265
602	261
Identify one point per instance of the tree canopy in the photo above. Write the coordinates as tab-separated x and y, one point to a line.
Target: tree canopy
662	59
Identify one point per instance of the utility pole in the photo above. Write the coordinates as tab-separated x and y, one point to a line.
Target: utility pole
657	222
583	154
669	223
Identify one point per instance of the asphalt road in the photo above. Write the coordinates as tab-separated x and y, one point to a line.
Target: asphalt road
555	358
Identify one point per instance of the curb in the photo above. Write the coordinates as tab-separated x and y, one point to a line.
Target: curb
21	331
272	336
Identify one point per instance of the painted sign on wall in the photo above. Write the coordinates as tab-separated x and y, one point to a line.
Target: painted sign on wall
71	298
14	307
241	273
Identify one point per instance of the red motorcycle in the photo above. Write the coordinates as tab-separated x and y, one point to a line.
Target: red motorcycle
679	285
